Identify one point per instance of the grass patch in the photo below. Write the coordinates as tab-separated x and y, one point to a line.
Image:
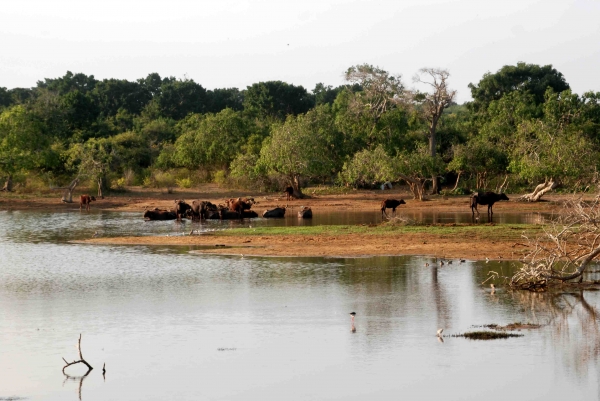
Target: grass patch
512	326
491	232
486	335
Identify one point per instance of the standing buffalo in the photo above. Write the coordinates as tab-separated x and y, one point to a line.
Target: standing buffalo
487	198
390	204
305	212
289	192
181	209
277	212
200	209
85	200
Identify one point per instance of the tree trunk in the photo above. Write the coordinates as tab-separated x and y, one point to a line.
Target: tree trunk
296	185
539	191
100	185
457	180
432	149
417	186
8	184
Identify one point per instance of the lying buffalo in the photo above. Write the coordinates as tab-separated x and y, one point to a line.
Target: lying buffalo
277	212
158	214
305	212
249	214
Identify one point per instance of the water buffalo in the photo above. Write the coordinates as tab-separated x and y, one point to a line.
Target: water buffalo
487	198
305	213
249	214
277	212
391	204
226	214
200	209
158	214
181	209
289	192
85	200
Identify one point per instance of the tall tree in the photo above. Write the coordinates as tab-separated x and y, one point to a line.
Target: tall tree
276	100
530	78
434	101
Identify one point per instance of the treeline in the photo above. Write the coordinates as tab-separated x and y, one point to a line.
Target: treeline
524	128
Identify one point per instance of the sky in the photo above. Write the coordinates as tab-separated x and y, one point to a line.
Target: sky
235	43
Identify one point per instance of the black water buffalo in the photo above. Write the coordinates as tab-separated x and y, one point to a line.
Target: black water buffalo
158	214
249	214
200	209
305	213
487	198
226	214
289	192
390	204
277	212
182	209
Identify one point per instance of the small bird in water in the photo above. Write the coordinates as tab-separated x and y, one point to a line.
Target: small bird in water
449	262
487	260
352	314
493	288
439	332
462	261
95	234
426	264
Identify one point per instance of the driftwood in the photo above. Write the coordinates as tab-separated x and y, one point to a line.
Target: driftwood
539	191
565	249
8	185
68	191
81	360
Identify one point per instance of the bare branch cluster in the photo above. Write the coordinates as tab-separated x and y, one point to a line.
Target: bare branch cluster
81	360
565	248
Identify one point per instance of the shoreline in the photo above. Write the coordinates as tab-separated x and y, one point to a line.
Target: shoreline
464	241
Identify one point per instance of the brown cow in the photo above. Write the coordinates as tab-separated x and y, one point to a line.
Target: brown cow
390	204
85	200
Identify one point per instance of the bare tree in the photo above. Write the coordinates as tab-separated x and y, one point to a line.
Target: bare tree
438	98
565	248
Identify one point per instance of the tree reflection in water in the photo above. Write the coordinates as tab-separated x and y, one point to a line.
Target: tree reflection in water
570	317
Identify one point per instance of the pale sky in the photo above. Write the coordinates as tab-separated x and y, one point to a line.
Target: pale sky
235	43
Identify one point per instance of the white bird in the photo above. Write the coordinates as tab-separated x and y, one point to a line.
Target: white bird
439	332
487	260
493	288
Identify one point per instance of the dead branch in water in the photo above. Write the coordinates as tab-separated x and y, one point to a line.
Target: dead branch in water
81	360
564	250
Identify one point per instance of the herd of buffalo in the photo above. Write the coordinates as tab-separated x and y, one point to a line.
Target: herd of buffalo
233	209
240	208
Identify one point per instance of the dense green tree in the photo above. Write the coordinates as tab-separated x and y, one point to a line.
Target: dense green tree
479	158
5	98
22	144
276	100
68	83
417	167
112	95
525	78
211	141
301	147
225	98
178	98
369	167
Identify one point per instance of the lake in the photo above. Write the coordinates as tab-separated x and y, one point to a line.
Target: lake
171	324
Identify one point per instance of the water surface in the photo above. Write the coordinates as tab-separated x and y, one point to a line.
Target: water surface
174	325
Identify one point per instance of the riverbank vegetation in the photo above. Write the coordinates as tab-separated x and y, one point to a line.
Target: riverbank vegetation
524	131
